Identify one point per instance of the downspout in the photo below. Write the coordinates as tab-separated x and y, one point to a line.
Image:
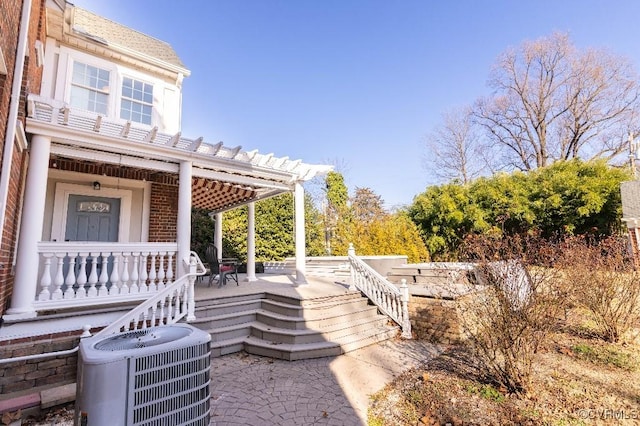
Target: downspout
14	104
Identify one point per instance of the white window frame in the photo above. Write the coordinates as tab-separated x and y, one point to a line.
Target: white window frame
107	93
136	101
73	56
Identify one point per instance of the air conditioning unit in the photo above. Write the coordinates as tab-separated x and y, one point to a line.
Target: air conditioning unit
152	376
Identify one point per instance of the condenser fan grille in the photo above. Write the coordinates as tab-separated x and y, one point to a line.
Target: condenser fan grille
142	338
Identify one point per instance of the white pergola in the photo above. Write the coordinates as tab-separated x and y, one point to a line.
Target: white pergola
210	176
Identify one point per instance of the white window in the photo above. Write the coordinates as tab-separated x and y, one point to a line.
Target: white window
90	88
137	101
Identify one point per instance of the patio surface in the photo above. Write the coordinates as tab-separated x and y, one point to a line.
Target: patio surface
282	284
253	390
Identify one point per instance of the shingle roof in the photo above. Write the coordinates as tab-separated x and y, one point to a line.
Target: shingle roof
98	27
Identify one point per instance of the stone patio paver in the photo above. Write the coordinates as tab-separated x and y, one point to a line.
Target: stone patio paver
252	390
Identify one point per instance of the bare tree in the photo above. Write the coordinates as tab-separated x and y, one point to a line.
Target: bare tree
552	102
367	205
454	148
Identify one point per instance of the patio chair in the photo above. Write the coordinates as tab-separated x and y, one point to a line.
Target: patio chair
223	268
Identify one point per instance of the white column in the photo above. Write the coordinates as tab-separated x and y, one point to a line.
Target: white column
251	242
183	227
217	234
301	271
26	278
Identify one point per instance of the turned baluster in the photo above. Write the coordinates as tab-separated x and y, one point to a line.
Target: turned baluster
93	276
134	274
170	268
153	286
69	281
124	289
58	280
115	276
45	280
82	276
161	273
144	286
104	276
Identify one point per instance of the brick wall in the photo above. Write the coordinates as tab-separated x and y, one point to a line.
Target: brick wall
435	320
23	375
10	14
164	213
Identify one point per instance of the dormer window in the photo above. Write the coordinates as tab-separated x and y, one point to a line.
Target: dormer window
137	101
90	88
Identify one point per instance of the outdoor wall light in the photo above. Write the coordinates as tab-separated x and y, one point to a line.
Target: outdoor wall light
96	185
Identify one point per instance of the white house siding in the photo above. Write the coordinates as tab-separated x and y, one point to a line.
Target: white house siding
59	72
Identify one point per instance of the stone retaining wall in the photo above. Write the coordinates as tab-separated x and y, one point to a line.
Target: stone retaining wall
23	375
437	319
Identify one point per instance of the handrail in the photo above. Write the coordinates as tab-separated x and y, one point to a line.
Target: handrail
165	307
390	300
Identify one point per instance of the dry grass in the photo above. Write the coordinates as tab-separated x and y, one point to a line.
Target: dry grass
577	380
568	355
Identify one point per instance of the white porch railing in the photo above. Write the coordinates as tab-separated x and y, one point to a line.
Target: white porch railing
166	307
88	273
391	301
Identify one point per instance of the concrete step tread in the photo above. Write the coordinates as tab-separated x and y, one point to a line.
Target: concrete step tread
351	340
328	329
229	342
348	295
227	328
290	347
201	303
328	316
199	320
278	316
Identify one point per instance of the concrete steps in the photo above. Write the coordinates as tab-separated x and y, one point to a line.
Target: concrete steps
289	328
436	273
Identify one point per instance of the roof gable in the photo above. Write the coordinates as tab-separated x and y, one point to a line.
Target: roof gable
111	33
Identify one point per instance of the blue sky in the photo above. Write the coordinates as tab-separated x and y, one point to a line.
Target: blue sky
352	82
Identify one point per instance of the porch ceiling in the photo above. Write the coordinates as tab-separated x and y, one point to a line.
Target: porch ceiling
206	193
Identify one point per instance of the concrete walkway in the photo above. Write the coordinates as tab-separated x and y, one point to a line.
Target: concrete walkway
252	390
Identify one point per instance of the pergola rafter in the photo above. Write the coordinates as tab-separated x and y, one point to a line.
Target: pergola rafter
224	177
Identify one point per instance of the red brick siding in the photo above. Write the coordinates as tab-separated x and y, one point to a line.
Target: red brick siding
10	14
33	73
164	213
12	221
